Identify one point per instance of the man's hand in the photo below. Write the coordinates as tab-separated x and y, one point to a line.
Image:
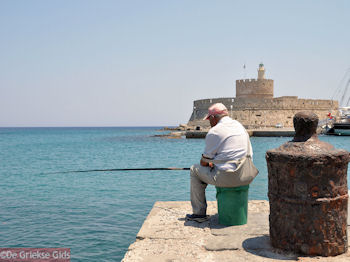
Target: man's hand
203	163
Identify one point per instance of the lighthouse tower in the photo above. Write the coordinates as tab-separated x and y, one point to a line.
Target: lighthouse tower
261	71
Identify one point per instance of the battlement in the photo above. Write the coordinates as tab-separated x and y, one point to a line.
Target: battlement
288	97
252	80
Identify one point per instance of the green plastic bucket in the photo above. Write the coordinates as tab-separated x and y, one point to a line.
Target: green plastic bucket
232	205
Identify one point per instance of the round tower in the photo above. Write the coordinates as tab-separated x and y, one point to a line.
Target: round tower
255	88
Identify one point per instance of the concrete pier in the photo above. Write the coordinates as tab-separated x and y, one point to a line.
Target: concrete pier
166	236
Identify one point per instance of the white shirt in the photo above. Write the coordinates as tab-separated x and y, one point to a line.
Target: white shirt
226	141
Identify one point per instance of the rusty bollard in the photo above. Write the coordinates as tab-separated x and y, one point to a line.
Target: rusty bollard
308	192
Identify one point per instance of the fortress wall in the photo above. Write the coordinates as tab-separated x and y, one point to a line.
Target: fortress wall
200	107
254	88
206	103
285	103
270	118
255	113
255	118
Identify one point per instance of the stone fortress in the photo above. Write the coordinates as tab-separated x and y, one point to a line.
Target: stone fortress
255	107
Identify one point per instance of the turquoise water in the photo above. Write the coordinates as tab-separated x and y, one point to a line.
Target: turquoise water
97	215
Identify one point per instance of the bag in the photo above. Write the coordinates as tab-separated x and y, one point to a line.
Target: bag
244	173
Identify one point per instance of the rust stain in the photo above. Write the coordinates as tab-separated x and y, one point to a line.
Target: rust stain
314	191
292	172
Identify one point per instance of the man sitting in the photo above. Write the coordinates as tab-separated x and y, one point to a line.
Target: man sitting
227	140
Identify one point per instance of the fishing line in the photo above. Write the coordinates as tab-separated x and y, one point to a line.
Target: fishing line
122	169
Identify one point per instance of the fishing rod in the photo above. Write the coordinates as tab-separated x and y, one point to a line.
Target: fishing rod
122	169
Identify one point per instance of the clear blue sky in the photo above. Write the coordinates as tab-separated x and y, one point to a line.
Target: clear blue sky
137	63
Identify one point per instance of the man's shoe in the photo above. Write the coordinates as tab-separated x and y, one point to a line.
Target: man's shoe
197	218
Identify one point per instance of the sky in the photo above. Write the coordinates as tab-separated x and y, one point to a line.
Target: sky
143	63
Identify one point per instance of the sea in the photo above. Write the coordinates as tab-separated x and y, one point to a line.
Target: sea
98	214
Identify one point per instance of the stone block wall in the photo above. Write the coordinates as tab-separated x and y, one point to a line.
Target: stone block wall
254	88
256	118
267	112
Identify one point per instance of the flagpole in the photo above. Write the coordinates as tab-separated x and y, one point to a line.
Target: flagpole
244	71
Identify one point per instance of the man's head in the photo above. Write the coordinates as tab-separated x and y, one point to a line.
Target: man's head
215	113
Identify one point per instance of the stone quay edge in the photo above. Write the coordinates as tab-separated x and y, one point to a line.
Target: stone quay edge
166	236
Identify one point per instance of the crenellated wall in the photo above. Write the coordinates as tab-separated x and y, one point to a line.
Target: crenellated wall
254	88
266	112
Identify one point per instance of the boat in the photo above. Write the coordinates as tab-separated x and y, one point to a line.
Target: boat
341	127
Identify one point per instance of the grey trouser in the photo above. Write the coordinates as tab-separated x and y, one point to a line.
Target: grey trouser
201	176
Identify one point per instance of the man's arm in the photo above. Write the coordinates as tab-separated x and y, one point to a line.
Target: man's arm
212	142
